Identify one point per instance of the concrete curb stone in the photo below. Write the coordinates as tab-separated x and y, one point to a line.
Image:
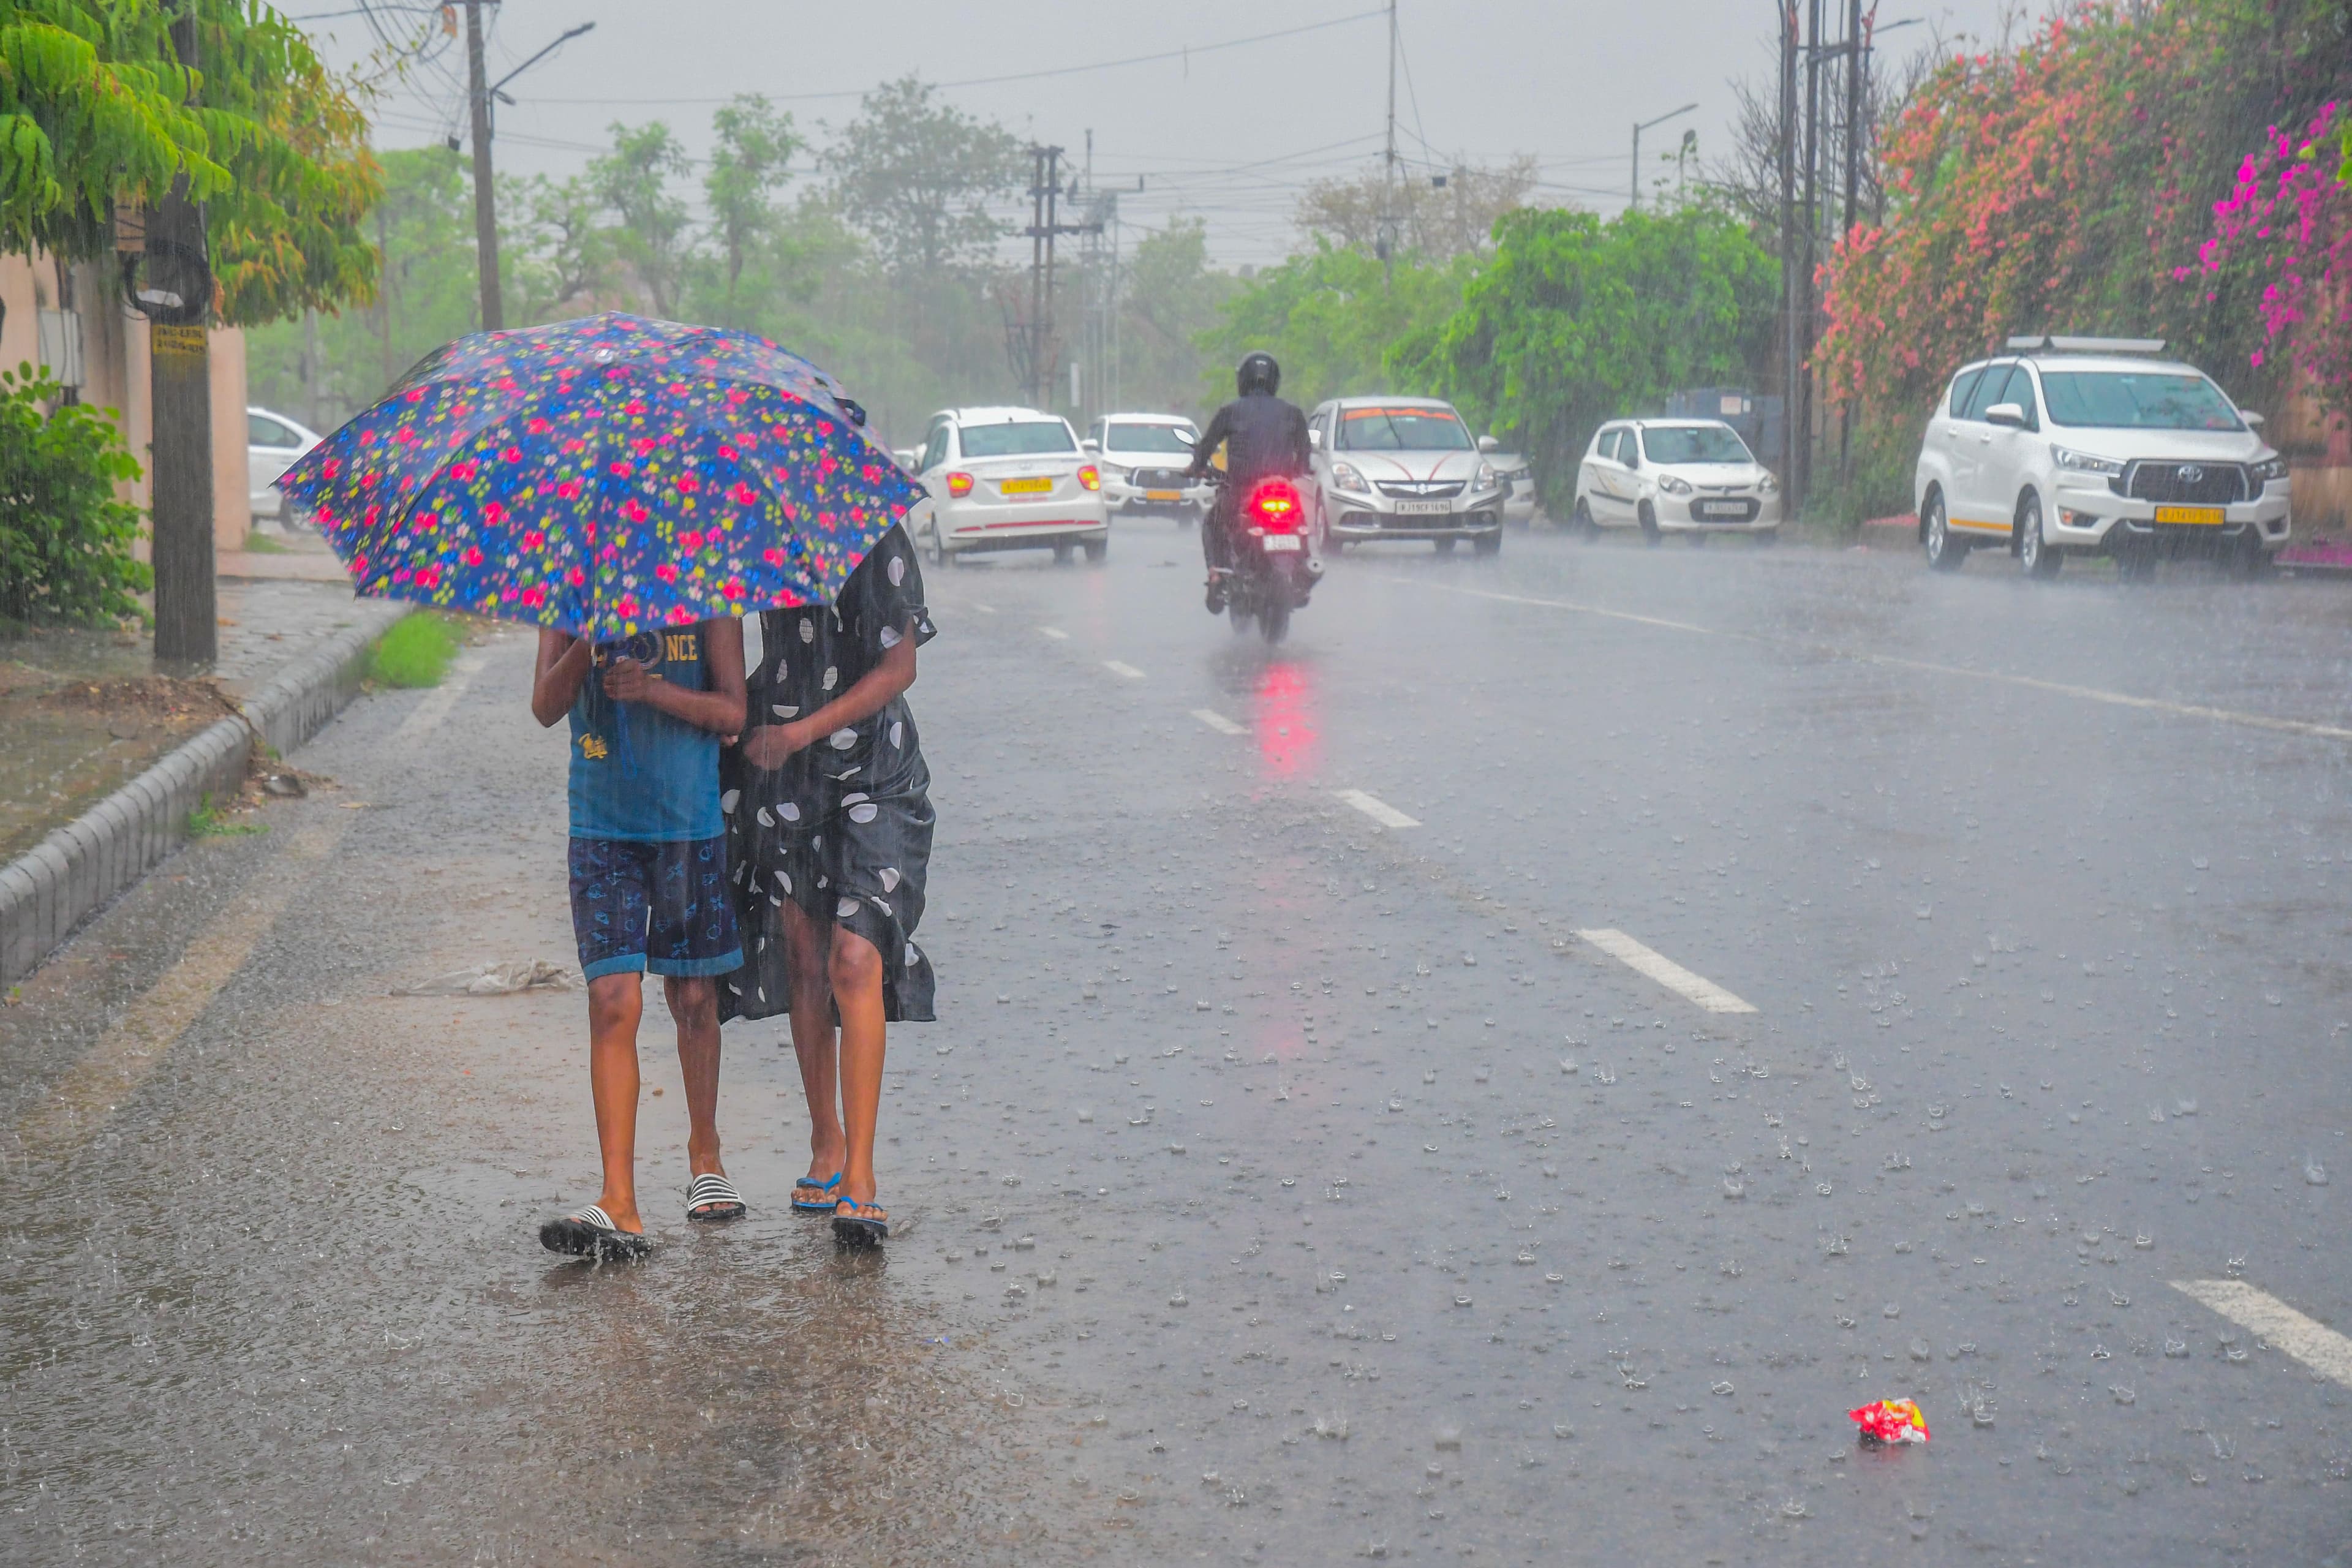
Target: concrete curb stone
49	891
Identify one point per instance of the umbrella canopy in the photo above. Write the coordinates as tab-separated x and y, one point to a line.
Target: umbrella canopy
603	475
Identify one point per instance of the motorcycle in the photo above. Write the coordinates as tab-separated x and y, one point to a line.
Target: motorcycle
1275	563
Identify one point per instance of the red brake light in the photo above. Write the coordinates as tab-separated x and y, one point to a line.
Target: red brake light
1090	477
1276	508
959	485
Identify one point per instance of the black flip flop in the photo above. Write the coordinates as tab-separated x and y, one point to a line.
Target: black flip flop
711	1198
590	1233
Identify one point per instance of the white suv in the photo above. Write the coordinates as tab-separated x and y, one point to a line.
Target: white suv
2094	445
1144	459
1007	478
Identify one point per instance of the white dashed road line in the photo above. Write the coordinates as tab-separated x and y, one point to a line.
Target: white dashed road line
2314	1344
1216	720
1056	633
1657	966
1379	810
983	609
1128	670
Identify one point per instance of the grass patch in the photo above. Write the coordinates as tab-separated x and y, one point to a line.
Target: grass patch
415	652
205	823
259	543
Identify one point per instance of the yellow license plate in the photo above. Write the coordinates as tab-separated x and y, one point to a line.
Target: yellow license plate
1029	486
1163	495
2206	516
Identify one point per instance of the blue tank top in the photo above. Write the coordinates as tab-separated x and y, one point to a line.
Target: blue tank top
636	773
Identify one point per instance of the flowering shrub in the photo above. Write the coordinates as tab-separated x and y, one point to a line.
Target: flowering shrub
2287	223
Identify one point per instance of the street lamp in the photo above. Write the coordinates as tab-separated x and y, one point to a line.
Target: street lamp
1634	190
480	93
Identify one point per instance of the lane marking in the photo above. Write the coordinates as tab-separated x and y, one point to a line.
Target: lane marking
1056	633
1925	667
1128	670
427	715
983	609
130	1052
1216	720
2314	1344
1657	966
1379	810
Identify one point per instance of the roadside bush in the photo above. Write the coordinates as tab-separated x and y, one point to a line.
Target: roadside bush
416	651
1877	480
66	538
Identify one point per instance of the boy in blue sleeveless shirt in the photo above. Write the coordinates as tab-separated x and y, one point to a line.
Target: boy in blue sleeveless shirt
649	889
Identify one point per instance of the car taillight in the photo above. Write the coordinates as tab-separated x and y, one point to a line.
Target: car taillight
959	485
1090	477
1276	508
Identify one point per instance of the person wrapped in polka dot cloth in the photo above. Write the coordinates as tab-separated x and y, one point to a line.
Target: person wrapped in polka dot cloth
828	804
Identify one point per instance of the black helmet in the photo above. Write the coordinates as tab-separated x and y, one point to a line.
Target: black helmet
1258	373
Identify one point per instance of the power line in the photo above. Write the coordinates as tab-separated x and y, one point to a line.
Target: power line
1186	54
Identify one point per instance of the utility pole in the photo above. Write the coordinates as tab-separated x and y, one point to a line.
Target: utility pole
1792	309
1856	53
1045	226
177	295
1808	250
486	197
1386	243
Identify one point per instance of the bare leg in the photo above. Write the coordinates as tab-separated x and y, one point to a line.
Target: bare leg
856	974
694	1003
807	945
616	1002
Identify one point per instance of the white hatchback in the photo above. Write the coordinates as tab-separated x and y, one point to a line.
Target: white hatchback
2095	446
1692	477
1008	479
273	443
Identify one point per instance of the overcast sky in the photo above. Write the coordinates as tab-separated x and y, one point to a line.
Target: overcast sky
1231	134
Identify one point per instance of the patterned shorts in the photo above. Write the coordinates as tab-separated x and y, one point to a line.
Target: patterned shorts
660	907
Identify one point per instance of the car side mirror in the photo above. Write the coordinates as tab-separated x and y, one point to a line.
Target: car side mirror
2009	414
2253	420
1314	437
1488	444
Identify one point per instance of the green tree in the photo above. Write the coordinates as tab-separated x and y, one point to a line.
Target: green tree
749	166
1331	316
916	177
654	233
1170	296
1575	320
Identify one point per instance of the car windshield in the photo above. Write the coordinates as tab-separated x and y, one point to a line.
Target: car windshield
1148	439
1403	430
1695	443
2137	400
1019	439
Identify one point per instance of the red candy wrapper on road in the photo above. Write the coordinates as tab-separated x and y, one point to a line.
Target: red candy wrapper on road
1891	1420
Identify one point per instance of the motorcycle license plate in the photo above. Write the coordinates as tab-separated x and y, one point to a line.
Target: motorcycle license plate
1163	495
1278	543
2206	516
1424	507
1024	487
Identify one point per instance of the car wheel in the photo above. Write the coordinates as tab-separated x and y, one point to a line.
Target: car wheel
939	545
1945	552
1488	544
1580	523
1648	518
1063	552
1096	550
2034	552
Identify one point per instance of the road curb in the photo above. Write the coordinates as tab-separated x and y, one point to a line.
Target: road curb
49	891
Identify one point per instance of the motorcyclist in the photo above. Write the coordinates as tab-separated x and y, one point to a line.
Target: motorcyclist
1264	438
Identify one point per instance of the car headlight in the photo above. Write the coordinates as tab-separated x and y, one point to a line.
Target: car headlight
1767	486
1486	477
1674	486
1346	477
2083	462
2271	467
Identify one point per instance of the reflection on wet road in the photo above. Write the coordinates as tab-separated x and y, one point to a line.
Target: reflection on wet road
1286	1183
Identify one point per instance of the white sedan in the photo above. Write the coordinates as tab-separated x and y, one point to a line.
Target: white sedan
1692	477
1008	479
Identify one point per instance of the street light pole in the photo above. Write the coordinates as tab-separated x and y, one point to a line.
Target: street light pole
1633	183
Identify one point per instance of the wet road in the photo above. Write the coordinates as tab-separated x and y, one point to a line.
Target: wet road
1803	980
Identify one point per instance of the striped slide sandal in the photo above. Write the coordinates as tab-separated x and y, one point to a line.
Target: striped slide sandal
711	1198
590	1233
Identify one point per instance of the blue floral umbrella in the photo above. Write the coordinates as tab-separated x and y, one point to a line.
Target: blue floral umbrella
603	475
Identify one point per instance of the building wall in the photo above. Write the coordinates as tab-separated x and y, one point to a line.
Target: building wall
115	375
